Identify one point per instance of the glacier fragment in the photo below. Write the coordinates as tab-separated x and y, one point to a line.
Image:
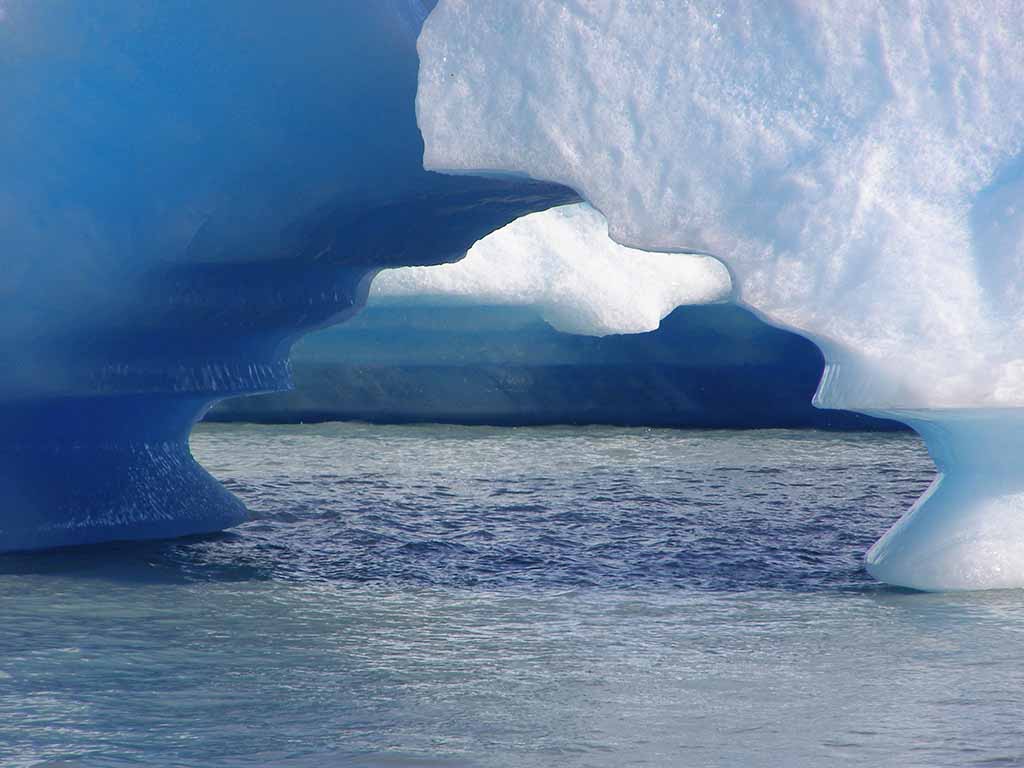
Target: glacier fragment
185	190
858	167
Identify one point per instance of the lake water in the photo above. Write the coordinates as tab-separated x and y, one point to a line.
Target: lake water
466	596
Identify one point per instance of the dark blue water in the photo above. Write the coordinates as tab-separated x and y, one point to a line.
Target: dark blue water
531	597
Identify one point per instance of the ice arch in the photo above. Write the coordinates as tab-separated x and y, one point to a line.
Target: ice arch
185	189
563	263
506	336
857	165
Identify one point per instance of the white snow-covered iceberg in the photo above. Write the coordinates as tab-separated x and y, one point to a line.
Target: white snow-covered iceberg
858	167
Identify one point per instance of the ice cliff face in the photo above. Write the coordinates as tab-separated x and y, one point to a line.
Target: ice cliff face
185	189
857	166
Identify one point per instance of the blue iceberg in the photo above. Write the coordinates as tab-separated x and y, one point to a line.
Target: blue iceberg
187	189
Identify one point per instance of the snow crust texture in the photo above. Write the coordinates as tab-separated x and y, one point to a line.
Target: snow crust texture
562	263
857	166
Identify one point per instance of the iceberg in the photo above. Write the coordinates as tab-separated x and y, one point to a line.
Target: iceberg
186	189
506	336
857	167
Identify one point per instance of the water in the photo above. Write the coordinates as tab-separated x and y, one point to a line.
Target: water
462	596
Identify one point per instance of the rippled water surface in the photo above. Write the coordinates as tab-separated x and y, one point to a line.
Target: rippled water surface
451	596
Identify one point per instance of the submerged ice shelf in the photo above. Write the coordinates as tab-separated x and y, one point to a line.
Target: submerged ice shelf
857	167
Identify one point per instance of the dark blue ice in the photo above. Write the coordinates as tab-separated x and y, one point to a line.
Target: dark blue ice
188	188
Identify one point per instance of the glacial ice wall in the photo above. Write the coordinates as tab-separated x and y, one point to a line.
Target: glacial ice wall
562	263
706	366
859	167
186	189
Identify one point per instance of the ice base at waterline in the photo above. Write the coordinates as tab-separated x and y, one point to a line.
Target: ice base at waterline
967	531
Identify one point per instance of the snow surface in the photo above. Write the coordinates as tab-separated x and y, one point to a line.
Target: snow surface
562	263
856	165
